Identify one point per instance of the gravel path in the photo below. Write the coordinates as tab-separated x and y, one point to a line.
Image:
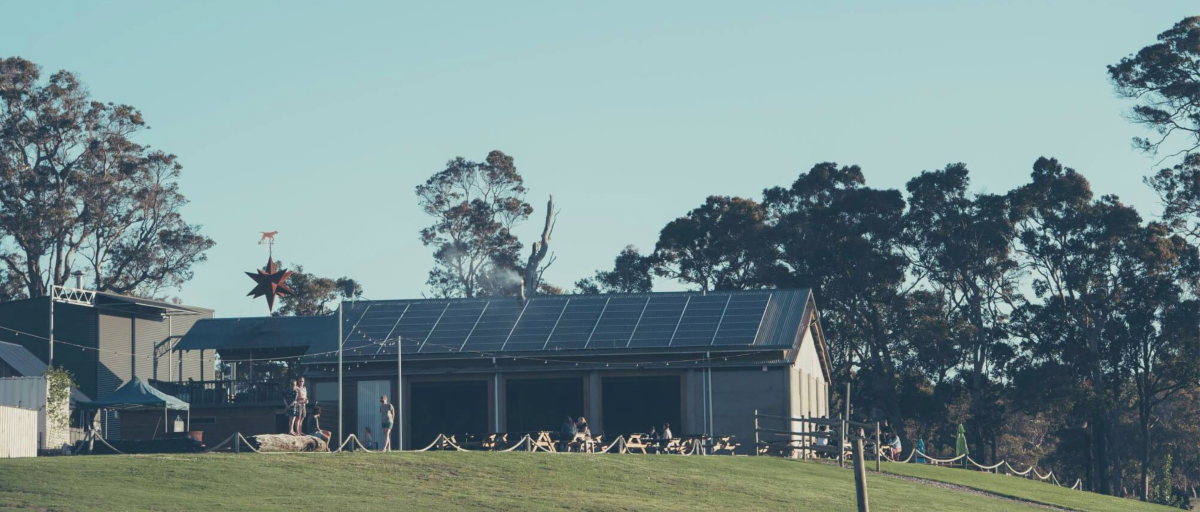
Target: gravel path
962	488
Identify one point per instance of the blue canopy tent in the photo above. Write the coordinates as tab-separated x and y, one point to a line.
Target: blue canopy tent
136	395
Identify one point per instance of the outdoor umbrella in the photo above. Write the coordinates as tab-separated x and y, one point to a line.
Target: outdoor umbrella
960	446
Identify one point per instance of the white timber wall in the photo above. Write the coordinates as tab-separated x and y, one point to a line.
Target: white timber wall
814	391
18	432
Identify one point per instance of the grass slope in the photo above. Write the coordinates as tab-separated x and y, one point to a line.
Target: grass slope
452	481
1028	490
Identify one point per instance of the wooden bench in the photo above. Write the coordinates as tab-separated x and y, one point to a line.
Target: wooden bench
724	444
635	442
494	441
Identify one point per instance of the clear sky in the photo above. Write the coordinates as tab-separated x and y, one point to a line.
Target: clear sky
317	120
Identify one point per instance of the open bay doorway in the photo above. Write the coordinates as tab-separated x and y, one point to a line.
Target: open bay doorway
369	392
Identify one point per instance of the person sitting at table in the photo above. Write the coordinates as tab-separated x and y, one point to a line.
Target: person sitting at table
583	429
666	431
566	433
653	435
894	447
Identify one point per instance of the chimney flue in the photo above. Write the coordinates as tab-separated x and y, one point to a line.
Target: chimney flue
78	279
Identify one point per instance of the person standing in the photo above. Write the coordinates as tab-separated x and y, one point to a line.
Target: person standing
289	403
388	413
301	406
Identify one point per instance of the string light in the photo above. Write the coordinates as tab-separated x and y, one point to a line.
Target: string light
380	344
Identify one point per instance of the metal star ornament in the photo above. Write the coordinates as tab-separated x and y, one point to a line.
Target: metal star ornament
270	283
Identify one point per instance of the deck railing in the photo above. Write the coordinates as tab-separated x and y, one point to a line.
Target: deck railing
221	392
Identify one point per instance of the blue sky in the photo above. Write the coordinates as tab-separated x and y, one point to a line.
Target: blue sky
318	120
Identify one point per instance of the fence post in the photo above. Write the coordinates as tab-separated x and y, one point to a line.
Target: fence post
878	447
842	444
860	474
756	432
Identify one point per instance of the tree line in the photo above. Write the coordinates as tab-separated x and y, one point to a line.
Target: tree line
1060	326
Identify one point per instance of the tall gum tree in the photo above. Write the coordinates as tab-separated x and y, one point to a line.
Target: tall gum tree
843	239
76	191
962	243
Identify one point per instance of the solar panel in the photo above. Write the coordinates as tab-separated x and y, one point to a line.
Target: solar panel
617	322
494	326
536	324
700	321
484	326
365	330
742	318
658	323
453	328
576	324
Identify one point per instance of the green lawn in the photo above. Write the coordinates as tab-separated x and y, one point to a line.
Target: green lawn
1029	490
453	481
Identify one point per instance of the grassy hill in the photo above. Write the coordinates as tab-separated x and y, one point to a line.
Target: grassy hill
452	481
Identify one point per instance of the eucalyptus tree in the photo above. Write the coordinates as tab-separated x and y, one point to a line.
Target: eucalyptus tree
474	207
720	245
843	239
1075	247
962	243
631	273
77	191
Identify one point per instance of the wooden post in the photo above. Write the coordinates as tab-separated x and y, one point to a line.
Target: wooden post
756	432
878	447
860	474
841	447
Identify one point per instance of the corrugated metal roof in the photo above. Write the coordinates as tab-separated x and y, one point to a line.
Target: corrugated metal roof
658	321
257	332
559	324
21	360
28	365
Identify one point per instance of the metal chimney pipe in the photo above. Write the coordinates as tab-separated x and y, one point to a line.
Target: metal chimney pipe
78	279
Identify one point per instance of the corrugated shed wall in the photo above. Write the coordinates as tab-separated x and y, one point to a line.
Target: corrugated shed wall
193	364
18	432
149	335
115	363
76	325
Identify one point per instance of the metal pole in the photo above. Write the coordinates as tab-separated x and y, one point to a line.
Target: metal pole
50	360
399	394
341	396
170	351
756	431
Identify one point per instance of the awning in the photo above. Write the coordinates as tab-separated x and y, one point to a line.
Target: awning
257	333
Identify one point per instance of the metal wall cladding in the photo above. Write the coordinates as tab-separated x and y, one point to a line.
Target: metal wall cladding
116	349
76	325
18	432
27	393
191	364
149	336
24	392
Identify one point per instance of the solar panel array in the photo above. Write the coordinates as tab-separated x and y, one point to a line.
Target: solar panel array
555	323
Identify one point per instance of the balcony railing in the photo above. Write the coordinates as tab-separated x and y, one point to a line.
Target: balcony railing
222	392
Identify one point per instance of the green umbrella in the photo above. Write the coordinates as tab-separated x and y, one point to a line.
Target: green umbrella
960	445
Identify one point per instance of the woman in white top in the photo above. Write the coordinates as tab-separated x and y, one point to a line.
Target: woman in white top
666	431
